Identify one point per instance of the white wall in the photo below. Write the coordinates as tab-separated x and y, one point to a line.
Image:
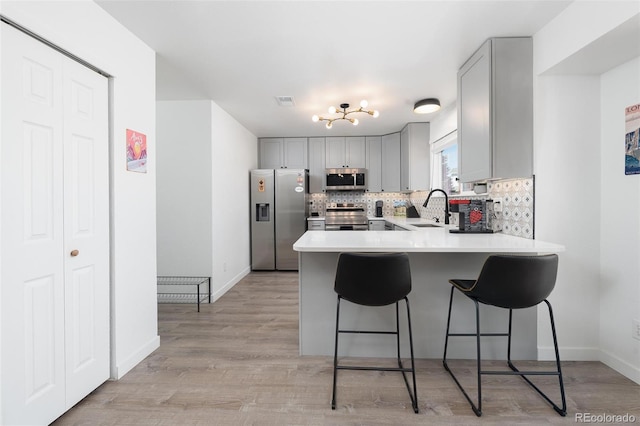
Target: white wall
235	153
619	226
184	188
445	122
85	30
211	192
567	192
583	199
575	29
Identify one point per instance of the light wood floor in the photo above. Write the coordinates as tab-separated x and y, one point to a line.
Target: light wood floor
236	362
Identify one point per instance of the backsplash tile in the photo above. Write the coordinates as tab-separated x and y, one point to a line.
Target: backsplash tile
516	218
319	201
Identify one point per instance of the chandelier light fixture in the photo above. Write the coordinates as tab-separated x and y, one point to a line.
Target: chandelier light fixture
344	112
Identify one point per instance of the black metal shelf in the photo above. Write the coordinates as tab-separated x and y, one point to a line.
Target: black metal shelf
177	297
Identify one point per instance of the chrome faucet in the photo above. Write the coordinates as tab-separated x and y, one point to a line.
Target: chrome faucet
446	203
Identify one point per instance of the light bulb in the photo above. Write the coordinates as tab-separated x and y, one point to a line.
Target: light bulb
355	121
364	103
332	110
315	118
328	126
376	113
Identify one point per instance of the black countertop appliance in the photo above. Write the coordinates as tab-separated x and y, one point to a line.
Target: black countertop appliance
379	205
473	217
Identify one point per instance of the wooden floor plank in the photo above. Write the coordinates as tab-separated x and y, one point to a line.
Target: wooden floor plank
236	363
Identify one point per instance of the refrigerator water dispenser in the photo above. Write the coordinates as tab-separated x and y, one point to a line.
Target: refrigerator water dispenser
262	212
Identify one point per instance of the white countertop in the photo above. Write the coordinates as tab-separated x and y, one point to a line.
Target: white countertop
369	218
436	240
397	220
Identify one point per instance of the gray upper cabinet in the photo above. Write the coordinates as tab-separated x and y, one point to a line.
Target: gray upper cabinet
270	150
316	165
495	111
283	153
295	153
391	163
346	152
356	151
394	162
374	163
414	157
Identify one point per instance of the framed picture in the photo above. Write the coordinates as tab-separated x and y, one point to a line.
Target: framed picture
632	140
136	151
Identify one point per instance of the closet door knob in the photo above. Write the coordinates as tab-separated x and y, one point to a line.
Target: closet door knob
74	253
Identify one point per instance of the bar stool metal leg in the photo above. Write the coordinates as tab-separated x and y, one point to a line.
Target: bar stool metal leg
414	396
562	411
413	393
477	407
335	358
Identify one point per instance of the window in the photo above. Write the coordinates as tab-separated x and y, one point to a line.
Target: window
449	169
444	165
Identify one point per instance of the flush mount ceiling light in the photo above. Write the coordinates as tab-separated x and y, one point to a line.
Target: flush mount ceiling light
426	106
343	113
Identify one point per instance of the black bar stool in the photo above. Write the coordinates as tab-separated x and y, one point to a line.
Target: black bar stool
375	279
510	282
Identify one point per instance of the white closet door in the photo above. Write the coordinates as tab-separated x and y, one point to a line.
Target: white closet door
32	269
51	327
86	229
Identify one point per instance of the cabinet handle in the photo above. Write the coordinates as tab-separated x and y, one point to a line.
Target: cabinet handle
74	253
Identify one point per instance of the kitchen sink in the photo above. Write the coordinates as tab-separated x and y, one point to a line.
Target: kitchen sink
425	225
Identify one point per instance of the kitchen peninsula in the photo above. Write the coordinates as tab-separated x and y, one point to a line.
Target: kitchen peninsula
435	256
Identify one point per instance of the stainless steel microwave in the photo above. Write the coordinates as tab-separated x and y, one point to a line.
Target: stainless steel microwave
346	179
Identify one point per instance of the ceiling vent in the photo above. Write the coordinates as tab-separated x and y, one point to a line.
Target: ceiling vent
285	101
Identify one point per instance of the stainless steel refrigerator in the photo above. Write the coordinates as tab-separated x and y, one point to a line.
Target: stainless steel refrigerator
279	210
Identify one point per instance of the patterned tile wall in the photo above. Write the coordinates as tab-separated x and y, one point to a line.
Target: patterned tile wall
435	209
517	213
319	201
516	217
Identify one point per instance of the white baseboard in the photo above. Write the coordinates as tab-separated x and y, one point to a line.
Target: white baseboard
229	284
119	370
592	354
621	366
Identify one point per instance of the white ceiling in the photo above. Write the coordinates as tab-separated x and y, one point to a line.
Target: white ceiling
242	54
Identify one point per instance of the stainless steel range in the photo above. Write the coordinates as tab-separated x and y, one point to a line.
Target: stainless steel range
346	217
